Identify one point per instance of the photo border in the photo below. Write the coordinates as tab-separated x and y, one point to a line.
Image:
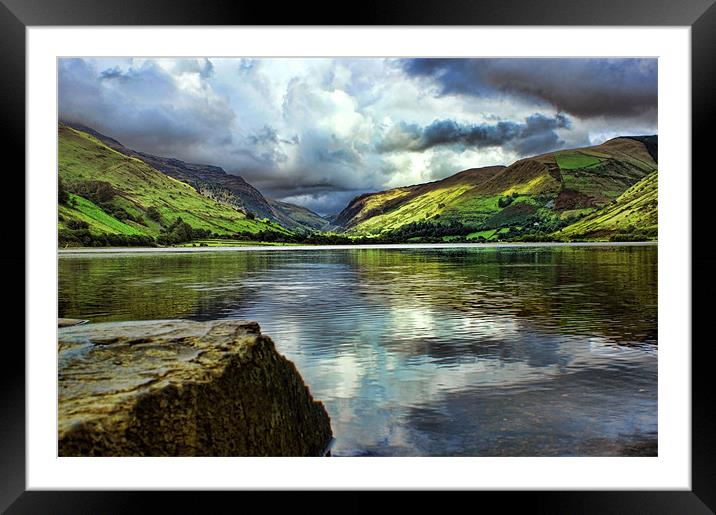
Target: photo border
700	15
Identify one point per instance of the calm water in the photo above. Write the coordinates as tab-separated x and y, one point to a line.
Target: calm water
541	351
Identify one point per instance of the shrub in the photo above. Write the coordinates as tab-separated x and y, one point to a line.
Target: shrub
77	224
633	236
62	195
82	237
180	232
154	214
98	192
504	201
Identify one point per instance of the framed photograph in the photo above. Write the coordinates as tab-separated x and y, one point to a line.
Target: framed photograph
431	250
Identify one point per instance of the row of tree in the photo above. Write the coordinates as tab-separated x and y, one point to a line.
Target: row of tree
84	238
181	232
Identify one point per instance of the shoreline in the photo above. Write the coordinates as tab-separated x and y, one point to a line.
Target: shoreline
149	250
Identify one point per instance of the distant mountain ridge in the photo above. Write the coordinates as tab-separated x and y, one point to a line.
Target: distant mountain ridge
215	183
651	143
542	193
368	205
606	191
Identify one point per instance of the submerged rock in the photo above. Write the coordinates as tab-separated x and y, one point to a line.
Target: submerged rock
67	322
182	388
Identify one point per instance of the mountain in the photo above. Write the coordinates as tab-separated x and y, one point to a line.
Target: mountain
110	194
106	192
390	209
305	218
538	194
213	182
633	215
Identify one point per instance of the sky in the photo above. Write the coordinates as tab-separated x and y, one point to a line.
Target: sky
317	132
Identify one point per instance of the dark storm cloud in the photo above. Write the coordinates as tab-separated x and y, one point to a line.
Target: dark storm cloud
266	135
111	73
263	148
325	165
585	88
346	155
143	108
537	134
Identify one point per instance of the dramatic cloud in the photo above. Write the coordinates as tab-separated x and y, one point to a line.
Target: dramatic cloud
582	87
320	131
536	134
146	107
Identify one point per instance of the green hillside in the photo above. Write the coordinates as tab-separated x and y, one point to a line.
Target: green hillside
109	193
532	197
303	217
389	210
213	182
632	216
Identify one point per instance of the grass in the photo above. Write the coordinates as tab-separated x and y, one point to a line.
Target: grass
634	210
418	209
598	176
595	153
533	186
485	234
469	198
99	222
574	213
301	215
139	186
473	209
574	160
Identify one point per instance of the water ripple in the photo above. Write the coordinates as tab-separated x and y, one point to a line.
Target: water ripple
534	351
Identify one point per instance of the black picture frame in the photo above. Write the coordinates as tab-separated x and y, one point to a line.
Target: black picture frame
700	15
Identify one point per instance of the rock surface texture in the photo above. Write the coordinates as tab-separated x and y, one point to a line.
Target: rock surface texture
182	388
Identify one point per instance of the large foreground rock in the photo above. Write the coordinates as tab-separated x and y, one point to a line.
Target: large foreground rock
182	388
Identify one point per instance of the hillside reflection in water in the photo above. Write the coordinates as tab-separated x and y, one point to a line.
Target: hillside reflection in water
541	351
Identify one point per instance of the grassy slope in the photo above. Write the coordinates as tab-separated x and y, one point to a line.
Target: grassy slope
576	160
388	210
300	215
634	210
547	189
99	221
215	183
417	209
84	158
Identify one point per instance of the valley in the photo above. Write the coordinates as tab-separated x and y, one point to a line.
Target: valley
110	195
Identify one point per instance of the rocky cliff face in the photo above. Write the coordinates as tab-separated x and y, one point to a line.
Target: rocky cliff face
182	388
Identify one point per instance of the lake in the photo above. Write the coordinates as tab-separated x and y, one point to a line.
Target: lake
467	351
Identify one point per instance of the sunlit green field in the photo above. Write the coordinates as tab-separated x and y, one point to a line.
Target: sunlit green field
574	160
